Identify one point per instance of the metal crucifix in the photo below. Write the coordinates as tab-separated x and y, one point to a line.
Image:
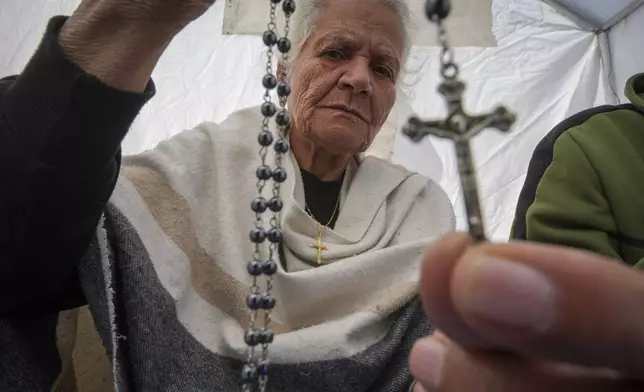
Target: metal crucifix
458	126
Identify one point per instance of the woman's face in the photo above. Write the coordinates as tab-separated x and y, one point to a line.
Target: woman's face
344	79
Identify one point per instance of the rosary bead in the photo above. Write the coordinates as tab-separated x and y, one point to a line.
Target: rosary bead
265	138
269	37
267	301
269	81
283	90
275	204
275	1
253	337
281	146
265	336
268	109
269	267
255	301
437	9
255	267
283	118
249	373
257	235
279	174
259	205
263	172
284	45
288	7
274	235
262	367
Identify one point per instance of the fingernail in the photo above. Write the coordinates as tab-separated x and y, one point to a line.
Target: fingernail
509	293
427	365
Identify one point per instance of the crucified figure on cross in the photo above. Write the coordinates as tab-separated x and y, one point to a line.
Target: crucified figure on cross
458	126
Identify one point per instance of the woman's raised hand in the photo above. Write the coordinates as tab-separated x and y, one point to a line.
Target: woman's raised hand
121	41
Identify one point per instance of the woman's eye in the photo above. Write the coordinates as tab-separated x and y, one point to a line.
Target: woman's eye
384	71
333	55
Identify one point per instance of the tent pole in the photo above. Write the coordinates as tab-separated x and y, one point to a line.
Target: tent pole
606	58
579	20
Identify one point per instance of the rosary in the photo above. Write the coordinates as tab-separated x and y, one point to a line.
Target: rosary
458	127
258	335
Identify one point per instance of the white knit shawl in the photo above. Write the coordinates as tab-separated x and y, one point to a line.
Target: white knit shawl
189	201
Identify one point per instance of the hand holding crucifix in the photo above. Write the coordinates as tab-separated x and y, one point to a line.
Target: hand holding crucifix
458	126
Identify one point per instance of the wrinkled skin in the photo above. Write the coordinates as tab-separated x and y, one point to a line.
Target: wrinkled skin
352	61
121	41
173	15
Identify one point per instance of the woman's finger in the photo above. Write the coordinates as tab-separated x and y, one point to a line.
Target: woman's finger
547	302
441	367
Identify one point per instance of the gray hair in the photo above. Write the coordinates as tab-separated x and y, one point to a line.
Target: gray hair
304	18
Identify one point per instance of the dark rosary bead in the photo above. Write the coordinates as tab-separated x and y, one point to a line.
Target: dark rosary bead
269	81
288	7
269	267
267	301
281	146
253	337
268	109
255	301
275	204
274	235
438	9
265	336
283	90
265	138
283	118
279	174
249	373
257	235
255	267
262	367
275	1
259	205
264	172
284	45
269	38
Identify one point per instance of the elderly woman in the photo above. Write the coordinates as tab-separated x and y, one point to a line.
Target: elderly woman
165	275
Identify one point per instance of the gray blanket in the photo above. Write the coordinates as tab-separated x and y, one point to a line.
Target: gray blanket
155	353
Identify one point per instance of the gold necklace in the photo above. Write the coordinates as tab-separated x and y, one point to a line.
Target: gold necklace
319	245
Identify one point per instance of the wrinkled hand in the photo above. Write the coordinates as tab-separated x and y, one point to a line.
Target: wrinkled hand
526	317
172	14
121	41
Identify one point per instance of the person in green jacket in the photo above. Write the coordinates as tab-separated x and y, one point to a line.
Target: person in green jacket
585	182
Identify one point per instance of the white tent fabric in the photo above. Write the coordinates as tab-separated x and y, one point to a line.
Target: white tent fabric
545	67
625	49
596	15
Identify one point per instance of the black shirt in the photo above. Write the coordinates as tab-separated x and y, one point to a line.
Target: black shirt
60	136
322	198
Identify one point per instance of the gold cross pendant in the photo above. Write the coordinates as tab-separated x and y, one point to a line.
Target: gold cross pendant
319	246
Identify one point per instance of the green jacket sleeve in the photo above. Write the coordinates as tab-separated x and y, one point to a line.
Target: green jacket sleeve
570	208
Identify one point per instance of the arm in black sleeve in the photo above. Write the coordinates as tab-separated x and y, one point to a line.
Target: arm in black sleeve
60	134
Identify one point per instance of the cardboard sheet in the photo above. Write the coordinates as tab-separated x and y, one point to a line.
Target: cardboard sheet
470	23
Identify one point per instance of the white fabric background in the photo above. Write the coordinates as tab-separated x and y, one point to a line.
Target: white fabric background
544	68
